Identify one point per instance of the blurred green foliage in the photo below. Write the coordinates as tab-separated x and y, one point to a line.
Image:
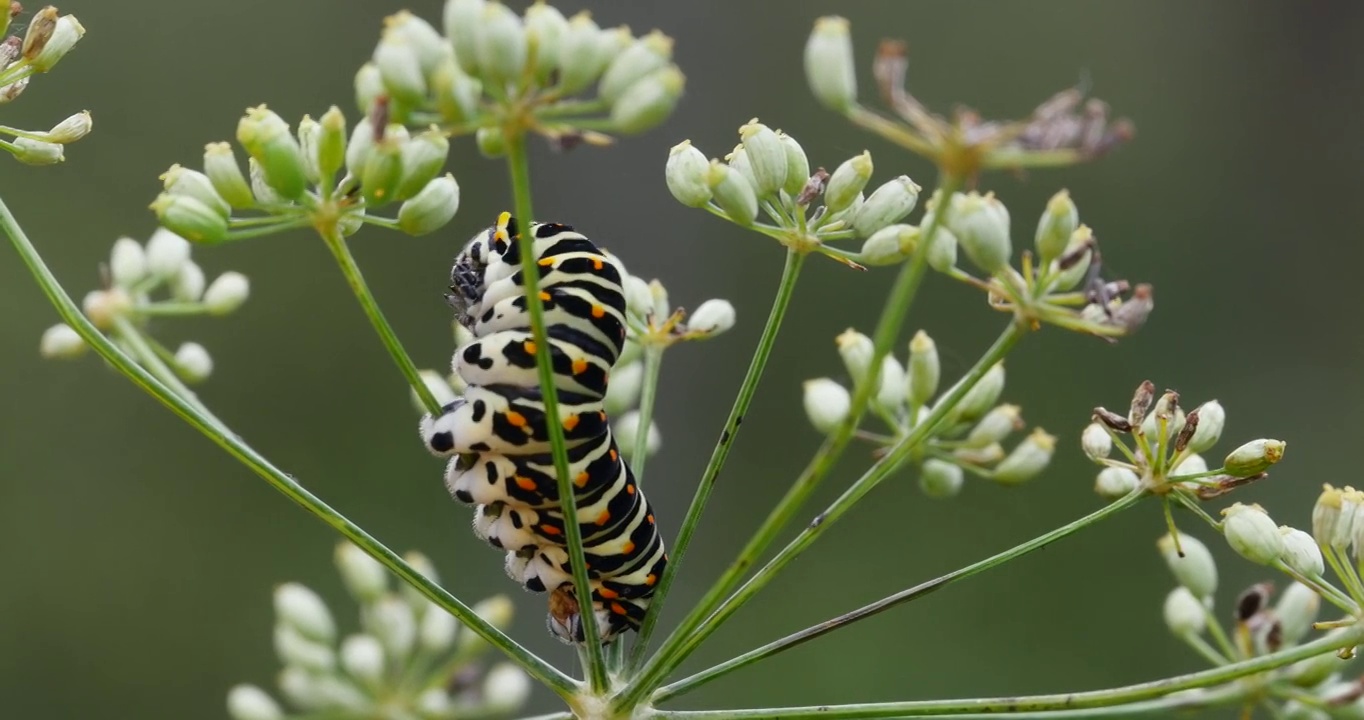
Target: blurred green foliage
139	560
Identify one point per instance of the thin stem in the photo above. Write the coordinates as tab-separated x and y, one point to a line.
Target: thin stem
1206	651
173	308
331	234
683	639
281	481
519	164
653	362
1023	705
786	289
152	361
891	601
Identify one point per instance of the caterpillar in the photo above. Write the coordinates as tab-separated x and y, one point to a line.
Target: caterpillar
497	436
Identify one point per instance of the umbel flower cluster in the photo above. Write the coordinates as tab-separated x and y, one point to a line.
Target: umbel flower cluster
408	659
50	36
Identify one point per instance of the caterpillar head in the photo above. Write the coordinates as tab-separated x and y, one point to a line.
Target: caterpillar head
468	276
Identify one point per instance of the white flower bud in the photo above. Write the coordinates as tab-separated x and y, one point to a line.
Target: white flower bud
924	368
188	284
626	428
711	318
36	152
437	631
462	21
995	426
166	253
424	567
226	293
1184	613
982	396
981	224
432	208
496	611
1192	464
797	165
400	67
659	297
826	403
767	155
733	193
1096	442
1300	552
61	341
1115	482
1297	610
300	688
888	204
856	350
1055	227
309	131
248	702
941	479
298	606
501	44
294	648
391	621
63	36
890	245
434	703
1254	457
639	300
1027	460
363	657
359	147
369	86
847	182
545	27
942	252
642	58
1174	421
127	262
649	101
687	173
102	306
1252	533
430	47
364	576
506	687
1196	571
193	362
179	180
623	392
829	63
439	388
1211	419
890	390
220	165
584	51
71	129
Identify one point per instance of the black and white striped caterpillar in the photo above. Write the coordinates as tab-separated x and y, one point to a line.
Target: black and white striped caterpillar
499	440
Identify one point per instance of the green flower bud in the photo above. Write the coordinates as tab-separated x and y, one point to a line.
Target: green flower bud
846	182
733	193
369	86
1252	533
988	455
425	41
1166	407
422	158
501	44
1027	460
942	252
649	101
627	430
924	368
383	170
192	183
1115	482
227	293
491	142
190	218
399	68
260	189
584	51
890	245
298	606
127	263
711	318
983	396
545	27
463	22
188	284
46	44
797	165
856	350
1055	227
220	165
1196	570
640	59
1254	457
995	426
1068	278
248	702
36	152
71	129
61	341
738	160
1096	442
888	204
457	94
362	575
623	392
890	385
1297	610
1211	419
767	155
1300	552
1184	613
687	173
941	479
363	658
266	138
829	64
826	403
330	148
981	224
193	362
308	131
430	209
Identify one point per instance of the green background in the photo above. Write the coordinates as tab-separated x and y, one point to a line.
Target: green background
137	560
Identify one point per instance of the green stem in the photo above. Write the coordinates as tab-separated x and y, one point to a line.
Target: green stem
683	639
173	308
519	165
653	362
786	289
337	244
1023	705
152	360
281	481
913	593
